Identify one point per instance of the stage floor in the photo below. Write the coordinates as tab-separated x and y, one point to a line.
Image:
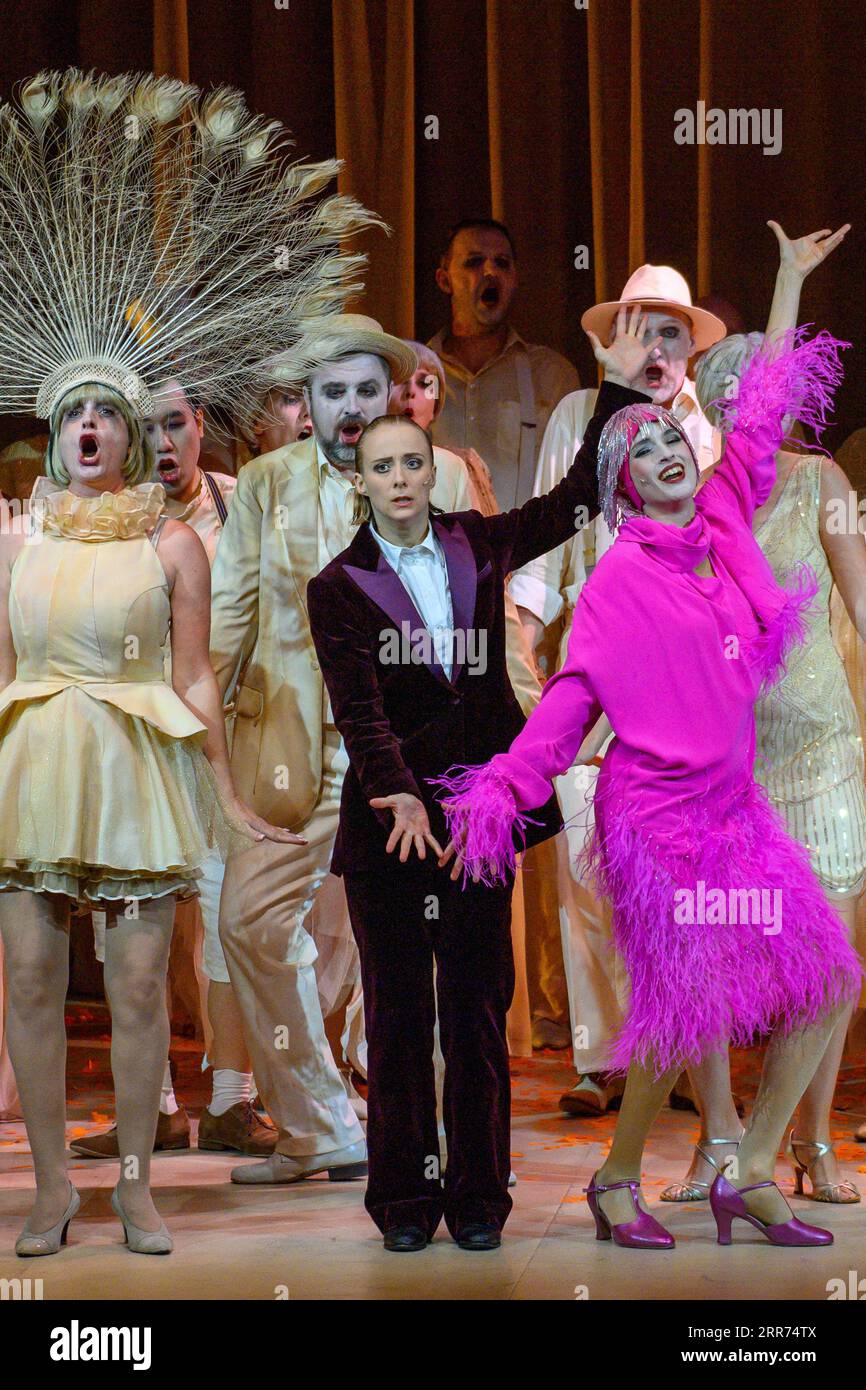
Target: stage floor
315	1241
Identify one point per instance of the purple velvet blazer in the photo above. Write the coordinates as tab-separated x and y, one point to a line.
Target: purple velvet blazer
402	720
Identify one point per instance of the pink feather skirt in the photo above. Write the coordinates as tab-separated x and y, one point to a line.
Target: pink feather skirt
724	931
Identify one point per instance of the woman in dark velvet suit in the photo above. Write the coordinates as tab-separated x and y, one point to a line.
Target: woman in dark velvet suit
408	708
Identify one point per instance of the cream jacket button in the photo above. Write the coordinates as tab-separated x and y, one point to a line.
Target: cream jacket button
314	664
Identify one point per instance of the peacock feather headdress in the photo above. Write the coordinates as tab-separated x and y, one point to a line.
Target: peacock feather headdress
150	230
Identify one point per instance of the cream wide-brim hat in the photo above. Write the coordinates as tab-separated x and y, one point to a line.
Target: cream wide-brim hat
338	335
657	287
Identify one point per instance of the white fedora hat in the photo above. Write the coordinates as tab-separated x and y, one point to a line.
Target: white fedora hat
657	287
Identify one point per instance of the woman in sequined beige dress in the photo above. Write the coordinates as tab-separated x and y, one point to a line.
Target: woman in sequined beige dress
810	749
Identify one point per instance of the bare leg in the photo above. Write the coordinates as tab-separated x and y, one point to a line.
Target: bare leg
35	929
228	1049
789	1065
136	962
711	1084
813	1115
642	1100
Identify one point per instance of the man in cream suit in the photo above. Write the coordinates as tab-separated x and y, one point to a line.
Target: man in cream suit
290	515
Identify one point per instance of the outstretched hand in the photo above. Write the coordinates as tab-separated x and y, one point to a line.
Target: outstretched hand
625	358
803	254
411	825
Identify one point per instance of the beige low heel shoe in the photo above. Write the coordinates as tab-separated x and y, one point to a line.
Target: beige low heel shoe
139	1241
48	1242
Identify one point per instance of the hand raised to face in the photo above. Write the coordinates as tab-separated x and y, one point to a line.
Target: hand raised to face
625	358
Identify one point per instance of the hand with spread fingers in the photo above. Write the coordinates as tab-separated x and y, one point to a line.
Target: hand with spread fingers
802	255
797	259
627	355
411	825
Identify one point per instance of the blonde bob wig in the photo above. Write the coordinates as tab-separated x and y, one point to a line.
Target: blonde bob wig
140	460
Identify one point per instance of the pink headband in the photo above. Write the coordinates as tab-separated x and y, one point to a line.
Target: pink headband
625	482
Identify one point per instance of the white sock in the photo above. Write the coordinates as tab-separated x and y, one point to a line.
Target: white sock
228	1088
168	1100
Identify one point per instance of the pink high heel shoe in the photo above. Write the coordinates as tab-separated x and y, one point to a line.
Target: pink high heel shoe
727	1202
643	1234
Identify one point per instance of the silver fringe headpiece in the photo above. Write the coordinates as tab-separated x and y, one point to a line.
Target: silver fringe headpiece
617	438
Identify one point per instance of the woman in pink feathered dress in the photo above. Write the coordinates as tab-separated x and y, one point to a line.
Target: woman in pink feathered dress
724	930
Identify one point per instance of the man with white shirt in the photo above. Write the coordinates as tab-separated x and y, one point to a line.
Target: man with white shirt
292	513
546	592
501	389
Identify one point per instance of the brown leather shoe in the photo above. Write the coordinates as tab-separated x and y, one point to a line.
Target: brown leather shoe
172	1132
239	1130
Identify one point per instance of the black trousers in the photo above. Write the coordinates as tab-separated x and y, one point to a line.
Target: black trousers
402	917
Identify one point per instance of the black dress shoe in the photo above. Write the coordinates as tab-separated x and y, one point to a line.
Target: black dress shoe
405	1238
479	1237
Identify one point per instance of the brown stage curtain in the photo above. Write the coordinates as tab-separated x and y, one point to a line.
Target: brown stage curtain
170	39
555	117
374	92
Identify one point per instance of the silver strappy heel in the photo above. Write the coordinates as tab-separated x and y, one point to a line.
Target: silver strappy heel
696	1191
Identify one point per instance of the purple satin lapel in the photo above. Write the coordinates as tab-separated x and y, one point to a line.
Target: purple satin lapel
462	578
387	592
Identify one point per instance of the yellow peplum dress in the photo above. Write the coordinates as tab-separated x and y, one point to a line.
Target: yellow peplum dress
105	792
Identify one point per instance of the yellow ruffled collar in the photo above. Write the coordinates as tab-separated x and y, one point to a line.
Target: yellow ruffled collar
120	515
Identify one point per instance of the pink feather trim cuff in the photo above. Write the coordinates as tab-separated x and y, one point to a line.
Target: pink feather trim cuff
483	821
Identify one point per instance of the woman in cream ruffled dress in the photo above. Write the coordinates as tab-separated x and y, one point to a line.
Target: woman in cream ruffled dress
113	785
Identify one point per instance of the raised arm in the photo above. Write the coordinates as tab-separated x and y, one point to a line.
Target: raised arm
788	377
545	522
797	259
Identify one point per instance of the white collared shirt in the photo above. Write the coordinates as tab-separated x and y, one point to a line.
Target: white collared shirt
335	509
483	410
423	573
